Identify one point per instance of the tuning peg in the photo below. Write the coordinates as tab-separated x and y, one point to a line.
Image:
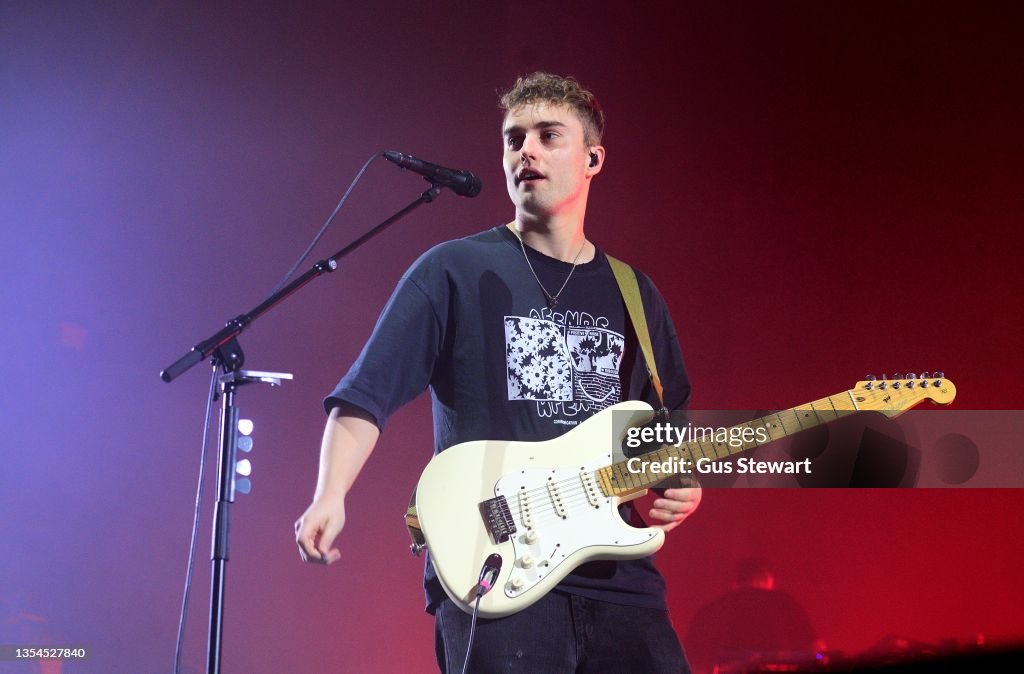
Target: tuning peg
940	374
938	378
897	376
910	379
871	377
871	382
911	375
924	375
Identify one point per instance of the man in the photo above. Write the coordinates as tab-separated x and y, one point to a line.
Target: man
520	332
752	625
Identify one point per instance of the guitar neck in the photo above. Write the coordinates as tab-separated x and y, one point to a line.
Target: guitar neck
716	444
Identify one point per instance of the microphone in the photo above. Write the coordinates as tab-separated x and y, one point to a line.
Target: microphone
463	183
488	574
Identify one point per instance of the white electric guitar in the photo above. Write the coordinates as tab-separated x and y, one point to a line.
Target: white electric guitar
544	508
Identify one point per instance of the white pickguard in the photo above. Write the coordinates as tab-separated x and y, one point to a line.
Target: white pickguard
566	519
556	529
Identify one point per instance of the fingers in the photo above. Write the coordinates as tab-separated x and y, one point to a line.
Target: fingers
665	515
314	545
330	531
675	506
685	494
305	537
316	530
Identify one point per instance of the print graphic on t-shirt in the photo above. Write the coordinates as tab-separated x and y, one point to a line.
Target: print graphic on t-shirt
568	362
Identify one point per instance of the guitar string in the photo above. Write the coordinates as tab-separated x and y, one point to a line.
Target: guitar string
550	515
571	496
546	501
563	483
573	493
549	512
569	489
692	451
574	481
574	501
573	478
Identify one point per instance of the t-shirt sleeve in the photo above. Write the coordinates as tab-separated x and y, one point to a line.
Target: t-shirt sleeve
398	359
667	354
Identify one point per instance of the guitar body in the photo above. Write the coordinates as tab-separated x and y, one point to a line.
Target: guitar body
534	504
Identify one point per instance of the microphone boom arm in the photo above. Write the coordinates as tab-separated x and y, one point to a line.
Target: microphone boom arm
235	326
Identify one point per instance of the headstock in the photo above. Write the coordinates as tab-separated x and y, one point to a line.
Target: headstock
894	396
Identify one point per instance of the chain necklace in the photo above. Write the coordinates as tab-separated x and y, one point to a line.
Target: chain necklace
551	299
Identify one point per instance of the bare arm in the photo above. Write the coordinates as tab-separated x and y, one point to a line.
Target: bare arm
349	437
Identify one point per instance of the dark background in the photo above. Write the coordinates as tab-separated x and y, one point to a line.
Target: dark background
821	190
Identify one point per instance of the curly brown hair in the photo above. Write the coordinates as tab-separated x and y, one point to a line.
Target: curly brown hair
543	87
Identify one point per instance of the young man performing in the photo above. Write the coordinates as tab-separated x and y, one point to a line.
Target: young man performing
521	333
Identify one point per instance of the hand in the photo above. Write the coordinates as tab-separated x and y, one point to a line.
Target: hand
317	528
674	506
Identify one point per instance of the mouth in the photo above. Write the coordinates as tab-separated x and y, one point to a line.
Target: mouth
528	175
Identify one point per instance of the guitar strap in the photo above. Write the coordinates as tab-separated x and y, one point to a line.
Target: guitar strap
630	289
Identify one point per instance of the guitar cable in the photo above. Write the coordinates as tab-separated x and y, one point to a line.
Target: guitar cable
488	574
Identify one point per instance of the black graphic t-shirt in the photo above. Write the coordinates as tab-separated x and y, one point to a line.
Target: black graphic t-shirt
469	321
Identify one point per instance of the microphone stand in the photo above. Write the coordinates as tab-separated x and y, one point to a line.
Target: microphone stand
227	355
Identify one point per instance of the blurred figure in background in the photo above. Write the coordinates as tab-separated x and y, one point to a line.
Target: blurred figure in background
754	623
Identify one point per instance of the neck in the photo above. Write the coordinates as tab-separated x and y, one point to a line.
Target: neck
560	238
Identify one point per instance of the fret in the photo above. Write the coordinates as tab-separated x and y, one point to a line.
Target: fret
772	428
700	447
696	444
782	424
807	416
824	410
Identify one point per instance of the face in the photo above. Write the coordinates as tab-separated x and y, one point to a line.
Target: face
547	163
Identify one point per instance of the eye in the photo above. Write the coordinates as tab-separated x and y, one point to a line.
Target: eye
549	135
513	142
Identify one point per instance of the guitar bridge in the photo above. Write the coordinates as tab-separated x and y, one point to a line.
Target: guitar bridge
498	519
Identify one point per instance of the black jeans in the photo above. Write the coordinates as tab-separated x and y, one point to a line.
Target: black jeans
561	633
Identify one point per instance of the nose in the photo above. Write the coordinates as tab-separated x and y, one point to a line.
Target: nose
528	151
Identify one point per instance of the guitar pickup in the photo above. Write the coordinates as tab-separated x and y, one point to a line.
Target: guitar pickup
498	519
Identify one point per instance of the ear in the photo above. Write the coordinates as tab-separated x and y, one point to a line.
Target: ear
595	159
